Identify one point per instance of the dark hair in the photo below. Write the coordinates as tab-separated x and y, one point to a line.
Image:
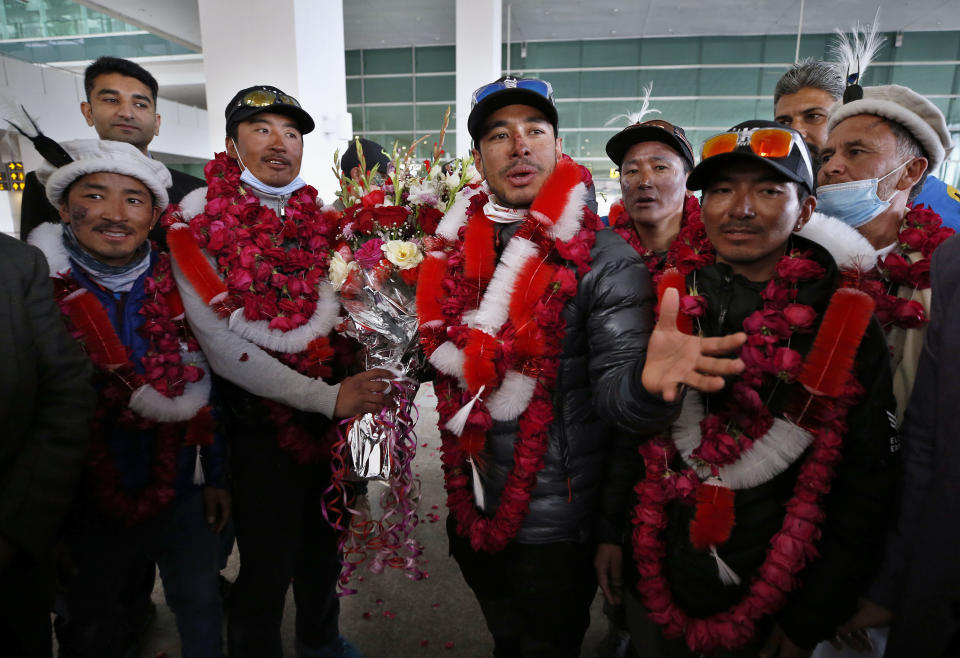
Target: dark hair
106	65
232	130
812	73
908	146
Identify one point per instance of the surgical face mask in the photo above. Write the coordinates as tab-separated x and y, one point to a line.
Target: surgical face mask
246	176
857	202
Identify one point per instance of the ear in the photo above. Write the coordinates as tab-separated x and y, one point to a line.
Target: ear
87	111
230	147
64	213
806	211
156	216
559	148
478	163
912	173
156	128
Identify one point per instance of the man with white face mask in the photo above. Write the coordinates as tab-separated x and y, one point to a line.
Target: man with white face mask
880	147
252	268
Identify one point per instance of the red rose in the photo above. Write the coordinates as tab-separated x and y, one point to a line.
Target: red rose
575	250
798	269
410	276
391	216
912	239
909	314
429	218
777	295
693	305
799	316
372	199
920	273
896	266
787	363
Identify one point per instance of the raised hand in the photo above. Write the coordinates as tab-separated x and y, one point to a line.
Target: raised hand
676	359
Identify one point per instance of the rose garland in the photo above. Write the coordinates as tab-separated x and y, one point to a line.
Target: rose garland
922	232
271	268
689	251
528	342
163	369
727	435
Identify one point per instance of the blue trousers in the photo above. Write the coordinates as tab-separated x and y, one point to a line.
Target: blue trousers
98	616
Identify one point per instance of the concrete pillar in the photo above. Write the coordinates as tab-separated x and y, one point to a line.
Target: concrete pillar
296	45
479	42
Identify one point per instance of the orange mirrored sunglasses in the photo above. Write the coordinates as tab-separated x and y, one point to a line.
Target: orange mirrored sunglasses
765	142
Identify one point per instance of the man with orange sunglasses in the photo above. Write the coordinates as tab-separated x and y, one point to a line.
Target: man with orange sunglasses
756	524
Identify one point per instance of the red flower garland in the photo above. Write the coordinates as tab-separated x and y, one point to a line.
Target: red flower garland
921	231
492	534
272	267
164	370
689	251
725	436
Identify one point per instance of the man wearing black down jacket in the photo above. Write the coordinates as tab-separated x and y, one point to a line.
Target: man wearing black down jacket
46	404
537	323
759	516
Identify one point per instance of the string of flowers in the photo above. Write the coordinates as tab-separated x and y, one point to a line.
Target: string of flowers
922	232
163	368
726	436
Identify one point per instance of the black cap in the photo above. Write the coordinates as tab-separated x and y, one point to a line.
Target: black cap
656	130
372	154
509	90
797	166
264	98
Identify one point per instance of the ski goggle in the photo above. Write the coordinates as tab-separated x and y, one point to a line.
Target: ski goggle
266	98
541	87
773	143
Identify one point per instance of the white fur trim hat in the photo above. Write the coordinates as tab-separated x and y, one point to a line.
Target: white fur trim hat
920	117
91	156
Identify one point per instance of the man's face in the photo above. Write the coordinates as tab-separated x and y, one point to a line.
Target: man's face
121	108
806	112
516	154
748	211
271	146
653	183
111	215
862	147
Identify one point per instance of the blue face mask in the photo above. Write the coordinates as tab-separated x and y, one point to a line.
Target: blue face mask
246	176
857	202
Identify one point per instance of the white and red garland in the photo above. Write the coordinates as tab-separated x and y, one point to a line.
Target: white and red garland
493	330
742	446
170	398
268	279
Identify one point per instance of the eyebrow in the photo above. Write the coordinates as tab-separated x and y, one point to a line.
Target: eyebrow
115	92
530	119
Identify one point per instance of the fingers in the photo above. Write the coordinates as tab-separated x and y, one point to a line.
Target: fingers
722	345
709	365
669	308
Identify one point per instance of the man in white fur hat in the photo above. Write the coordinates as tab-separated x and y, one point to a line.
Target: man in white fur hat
879	150
152	489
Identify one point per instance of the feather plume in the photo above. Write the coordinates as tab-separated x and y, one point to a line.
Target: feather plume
830	361
195	266
637	117
855	51
714	517
673	278
430	291
24	124
99	337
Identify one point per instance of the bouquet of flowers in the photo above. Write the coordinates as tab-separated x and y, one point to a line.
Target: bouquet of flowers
385	228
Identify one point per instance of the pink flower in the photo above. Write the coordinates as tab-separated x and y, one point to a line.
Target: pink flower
370	254
799	316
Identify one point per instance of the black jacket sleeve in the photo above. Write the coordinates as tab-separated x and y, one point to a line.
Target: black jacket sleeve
858	507
619	325
47	423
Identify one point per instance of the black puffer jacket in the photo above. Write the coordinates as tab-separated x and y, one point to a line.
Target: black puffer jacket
598	396
858	507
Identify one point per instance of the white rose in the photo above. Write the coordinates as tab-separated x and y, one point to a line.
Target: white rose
471	175
339	270
402	253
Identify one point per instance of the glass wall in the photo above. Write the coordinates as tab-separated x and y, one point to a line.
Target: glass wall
705	84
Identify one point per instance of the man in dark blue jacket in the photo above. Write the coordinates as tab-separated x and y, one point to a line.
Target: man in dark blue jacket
154	488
